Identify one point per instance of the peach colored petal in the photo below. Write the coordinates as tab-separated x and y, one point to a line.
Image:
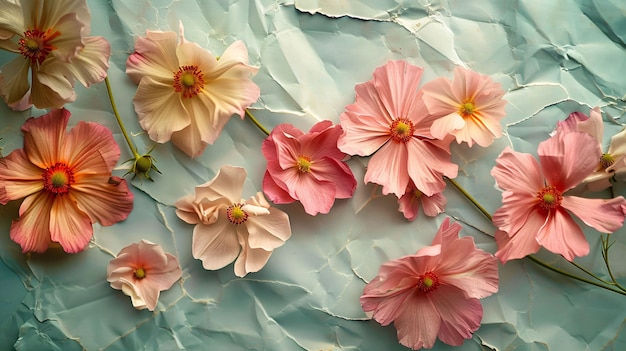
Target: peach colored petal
50	88
32	230
460	317
44	137
605	215
517	171
250	260
11	19
18	177
227	183
69	226
388	167
104	201
14	80
427	164
187	210
397	83
92	62
443	126
189	141
216	244
69	43
90	149
270	231
154	56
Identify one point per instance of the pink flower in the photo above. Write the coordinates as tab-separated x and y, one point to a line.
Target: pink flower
306	167
142	270
611	163
52	40
410	202
390	121
229	228
434	293
185	94
65	180
535	210
469	107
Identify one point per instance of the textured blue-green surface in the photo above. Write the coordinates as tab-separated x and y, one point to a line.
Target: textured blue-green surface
552	57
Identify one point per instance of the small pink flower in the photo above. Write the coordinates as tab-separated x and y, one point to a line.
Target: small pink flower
435	292
142	270
185	94
306	167
469	107
611	163
65	180
409	203
229	228
535	210
390	121
52	40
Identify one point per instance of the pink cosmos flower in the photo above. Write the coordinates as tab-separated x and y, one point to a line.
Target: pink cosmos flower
229	228
306	167
410	202
390	121
535	210
434	293
185	94
52	40
611	163
469	107
65	180
142	270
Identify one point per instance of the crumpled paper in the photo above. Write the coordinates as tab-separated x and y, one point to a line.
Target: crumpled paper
552	58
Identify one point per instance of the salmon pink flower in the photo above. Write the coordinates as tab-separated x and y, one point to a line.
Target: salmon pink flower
306	167
535	210
65	180
229	228
185	94
613	162
435	292
409	203
469	107
390	121
142	270
52	40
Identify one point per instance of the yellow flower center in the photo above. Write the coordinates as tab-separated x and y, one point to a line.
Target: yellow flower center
304	164
467	109
189	80
606	161
427	282
140	273
401	130
236	215
58	179
417	193
549	198
35	45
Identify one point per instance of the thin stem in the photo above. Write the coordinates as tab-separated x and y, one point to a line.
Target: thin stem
589	273
257	123
605	255
119	119
470	198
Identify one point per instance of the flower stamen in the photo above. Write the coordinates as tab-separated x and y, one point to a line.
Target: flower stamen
428	282
236	215
549	198
304	164
140	273
35	45
189	80
58	179
467	109
606	161
401	130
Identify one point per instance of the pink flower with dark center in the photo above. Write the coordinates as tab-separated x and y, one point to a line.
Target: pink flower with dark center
142	270
435	292
390	121
410	202
66	182
536	211
306	167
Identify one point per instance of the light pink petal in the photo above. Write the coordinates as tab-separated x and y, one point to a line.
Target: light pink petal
92	62
598	180
409	203
568	158
447	233
89	148
251	260
618	144
563	236
460	316
159	109
69	43
605	215
338	173
388	167
227	183
106	202
267	230
187	210
418	322
44	137
519	244
143	294
154	56
315	196
427	164
50	88
275	192
515	211
439	98
32	229
69	226
47	13
189	140
14	80
397	83
446	124
433	205
518	171
216	244
18	177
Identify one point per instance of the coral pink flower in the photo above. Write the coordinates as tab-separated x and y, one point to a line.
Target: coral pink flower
469	107
613	162
435	292
229	228
306	167
65	178
52	40
390	121
186	94
535	210
410	202
142	270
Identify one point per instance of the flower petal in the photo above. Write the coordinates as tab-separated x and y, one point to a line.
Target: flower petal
44	136
69	226
563	236
523	242
32	229
18	177
605	215
460	316
216	245
427	164
418	323
50	88
89	148
389	168
154	56
14	80
92	62
518	171
104	202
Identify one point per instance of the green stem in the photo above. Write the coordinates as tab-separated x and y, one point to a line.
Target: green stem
470	198
589	273
257	123
605	256
119	119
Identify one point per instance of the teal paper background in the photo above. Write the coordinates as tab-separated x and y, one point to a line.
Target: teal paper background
552	58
